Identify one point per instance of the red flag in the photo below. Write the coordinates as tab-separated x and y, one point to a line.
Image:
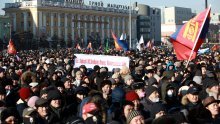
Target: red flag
215	48
188	39
11	47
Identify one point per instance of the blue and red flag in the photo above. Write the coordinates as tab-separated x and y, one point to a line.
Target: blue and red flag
188	39
119	44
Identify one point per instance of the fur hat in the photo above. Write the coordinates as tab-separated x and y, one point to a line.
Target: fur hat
115	76
198	79
127	77
28	111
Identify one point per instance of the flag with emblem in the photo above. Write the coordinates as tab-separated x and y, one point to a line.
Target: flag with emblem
11	48
188	39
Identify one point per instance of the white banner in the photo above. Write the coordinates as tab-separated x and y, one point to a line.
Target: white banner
102	60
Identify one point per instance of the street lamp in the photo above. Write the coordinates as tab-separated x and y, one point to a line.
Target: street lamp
130	25
8	26
206	3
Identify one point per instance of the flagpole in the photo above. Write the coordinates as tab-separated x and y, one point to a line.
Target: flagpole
197	38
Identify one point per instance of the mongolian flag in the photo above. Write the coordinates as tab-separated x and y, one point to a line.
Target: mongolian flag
188	39
11	48
117	46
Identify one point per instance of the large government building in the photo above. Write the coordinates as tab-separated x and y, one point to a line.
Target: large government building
71	19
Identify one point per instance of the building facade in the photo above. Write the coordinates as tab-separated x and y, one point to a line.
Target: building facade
5	28
176	15
155	14
172	18
215	18
70	19
143	22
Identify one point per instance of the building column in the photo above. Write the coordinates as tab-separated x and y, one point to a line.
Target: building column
40	19
35	22
134	32
45	20
73	27
97	24
65	27
51	24
118	27
113	24
85	30
25	21
59	25
91	24
123	24
102	29
108	27
78	25
14	22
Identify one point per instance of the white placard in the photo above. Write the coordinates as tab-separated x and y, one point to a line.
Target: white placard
102	60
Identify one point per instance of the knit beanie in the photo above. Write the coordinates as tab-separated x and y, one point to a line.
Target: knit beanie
131	115
149	90
24	93
131	96
54	95
32	100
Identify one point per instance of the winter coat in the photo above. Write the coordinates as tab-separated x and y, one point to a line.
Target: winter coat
20	106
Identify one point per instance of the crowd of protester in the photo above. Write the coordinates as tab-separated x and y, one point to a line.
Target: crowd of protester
44	87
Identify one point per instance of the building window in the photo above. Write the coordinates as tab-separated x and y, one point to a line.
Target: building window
22	15
29	14
62	24
29	24
22	24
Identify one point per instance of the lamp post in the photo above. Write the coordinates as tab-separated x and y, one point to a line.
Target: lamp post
206	4
130	25
8	26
